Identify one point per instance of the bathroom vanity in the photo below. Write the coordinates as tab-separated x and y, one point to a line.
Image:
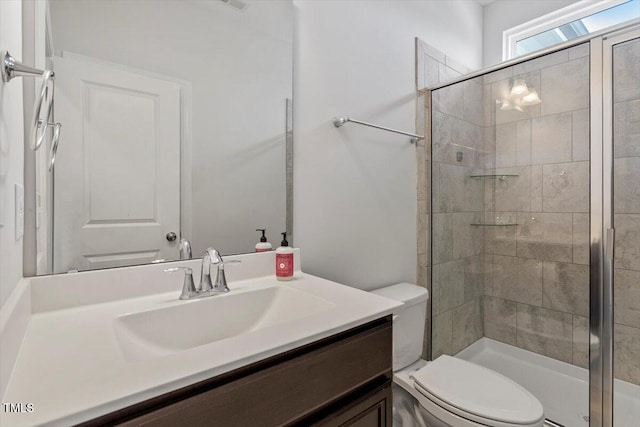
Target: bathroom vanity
342	379
117	346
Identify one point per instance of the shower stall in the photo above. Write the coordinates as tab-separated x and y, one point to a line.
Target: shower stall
531	212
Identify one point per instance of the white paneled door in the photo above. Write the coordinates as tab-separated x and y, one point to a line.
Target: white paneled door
117	174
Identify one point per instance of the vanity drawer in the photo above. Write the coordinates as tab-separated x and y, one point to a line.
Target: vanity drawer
295	387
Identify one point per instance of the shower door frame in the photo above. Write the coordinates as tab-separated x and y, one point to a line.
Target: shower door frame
601	373
602	233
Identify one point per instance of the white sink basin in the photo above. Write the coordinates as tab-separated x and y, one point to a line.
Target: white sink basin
185	325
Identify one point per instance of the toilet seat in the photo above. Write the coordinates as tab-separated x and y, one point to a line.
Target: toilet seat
475	393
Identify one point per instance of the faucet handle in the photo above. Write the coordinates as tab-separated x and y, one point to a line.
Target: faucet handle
188	287
221	279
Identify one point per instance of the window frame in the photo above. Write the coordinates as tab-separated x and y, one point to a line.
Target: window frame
567	14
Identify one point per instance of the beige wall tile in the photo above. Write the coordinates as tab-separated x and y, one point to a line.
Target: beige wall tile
523	143
626	128
449	189
515	279
627	250
473	101
473	190
448	285
467	239
565	87
626	185
513	193
579	51
536	188
565	287
580	135
551	139
626	295
442	334
546	332
489	148
505	145
626	69
626	348
581	238
497	76
546	236
500	240
542	62
474	277
581	342
450	100
431	75
442	245
565	187
500	319
467	324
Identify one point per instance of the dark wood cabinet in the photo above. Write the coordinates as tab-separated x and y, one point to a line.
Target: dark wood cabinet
342	380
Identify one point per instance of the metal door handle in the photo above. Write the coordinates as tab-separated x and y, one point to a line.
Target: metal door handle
171	236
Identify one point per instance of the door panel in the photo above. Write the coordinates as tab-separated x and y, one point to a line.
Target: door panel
117	178
625	108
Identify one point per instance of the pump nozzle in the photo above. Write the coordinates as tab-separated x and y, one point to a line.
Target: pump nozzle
284	239
263	238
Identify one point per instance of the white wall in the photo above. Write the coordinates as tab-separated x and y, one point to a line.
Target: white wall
11	150
504	14
355	187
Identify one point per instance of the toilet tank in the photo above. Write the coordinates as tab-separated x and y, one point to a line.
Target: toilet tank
408	322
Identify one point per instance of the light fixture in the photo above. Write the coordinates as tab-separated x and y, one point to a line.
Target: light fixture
519	96
531	98
519	88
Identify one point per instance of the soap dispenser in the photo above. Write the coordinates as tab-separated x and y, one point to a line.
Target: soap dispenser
284	260
263	245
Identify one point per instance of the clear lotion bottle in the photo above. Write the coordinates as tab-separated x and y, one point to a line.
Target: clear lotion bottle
284	260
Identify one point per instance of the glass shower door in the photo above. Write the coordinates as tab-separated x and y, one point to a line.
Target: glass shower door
622	60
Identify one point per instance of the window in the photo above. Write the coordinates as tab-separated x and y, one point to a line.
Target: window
584	17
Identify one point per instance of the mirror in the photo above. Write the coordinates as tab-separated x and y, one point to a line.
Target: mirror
176	124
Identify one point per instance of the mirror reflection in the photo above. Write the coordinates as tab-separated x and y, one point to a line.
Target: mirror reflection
176	127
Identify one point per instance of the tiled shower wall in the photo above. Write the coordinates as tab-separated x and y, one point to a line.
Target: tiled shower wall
524	281
457	270
537	272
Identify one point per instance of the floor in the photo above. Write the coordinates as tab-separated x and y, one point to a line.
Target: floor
562	388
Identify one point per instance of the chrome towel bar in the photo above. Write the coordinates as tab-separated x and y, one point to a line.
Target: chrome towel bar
339	121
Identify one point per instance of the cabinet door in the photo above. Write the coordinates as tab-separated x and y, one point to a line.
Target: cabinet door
374	410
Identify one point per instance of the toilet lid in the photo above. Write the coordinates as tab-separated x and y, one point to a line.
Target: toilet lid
473	389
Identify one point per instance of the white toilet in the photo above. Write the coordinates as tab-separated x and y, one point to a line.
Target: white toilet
448	391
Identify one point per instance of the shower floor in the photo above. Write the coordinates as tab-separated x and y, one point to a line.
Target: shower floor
563	389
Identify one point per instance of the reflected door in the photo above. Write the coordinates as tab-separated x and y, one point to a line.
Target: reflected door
117	175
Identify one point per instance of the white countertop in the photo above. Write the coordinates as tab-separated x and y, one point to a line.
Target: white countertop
71	368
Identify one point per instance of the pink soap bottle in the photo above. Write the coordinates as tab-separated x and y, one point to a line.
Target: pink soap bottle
284	260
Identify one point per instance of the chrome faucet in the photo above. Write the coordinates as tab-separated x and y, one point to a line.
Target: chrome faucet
210	256
188	288
206	287
184	248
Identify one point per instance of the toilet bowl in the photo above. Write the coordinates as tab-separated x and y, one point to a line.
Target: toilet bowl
448	392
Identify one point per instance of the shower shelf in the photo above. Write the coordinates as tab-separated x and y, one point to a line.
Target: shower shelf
493	224
496	175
